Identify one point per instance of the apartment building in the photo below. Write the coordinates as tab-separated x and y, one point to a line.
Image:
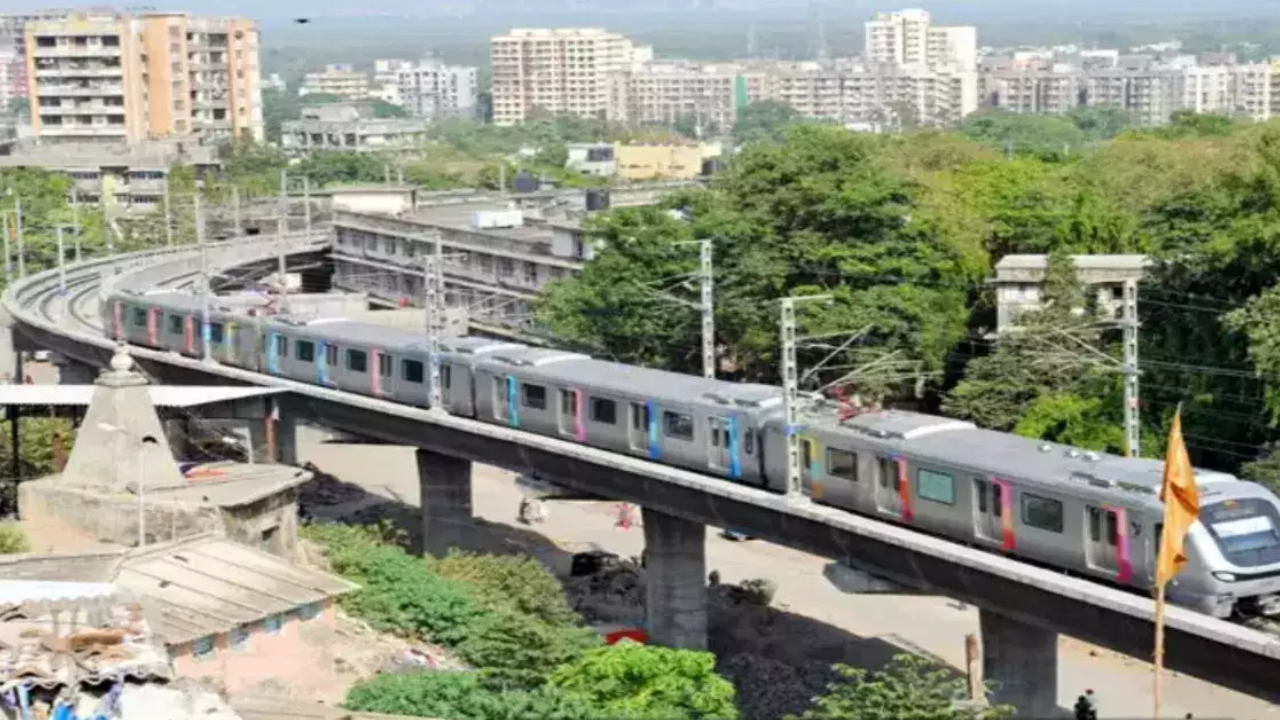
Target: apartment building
432	90
13	47
909	37
350	126
340	80
114	78
12	74
660	92
564	71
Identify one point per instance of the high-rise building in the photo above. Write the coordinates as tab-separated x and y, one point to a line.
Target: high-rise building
908	37
877	95
431	89
13	38
133	77
340	80
564	71
660	93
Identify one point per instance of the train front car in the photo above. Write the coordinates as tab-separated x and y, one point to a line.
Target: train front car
1234	566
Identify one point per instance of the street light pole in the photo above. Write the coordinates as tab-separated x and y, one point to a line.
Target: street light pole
62	263
791	393
140	485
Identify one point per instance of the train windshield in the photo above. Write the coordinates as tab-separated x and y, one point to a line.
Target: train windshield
1247	531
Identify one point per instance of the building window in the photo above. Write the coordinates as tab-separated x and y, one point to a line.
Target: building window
412	371
306	351
273	625
357	361
936	486
239	640
202	649
604	411
1042	513
534	396
677	426
842	464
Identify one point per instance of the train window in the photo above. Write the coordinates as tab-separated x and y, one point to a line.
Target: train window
412	371
936	486
139	317
806	453
331	355
1042	513
888	468
305	350
282	346
1095	524
215	332
1113	530
604	411
639	416
980	489
384	365
357	361
677	426
535	396
446	376
749	442
997	499
175	324
842	464
714	425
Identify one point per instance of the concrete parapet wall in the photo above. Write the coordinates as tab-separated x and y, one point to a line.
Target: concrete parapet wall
114	518
85	567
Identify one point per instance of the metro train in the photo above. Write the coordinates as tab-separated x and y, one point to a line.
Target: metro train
1093	515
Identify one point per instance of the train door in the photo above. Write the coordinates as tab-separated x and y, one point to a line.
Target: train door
639	437
718	429
1102	538
888	486
504	400
384	379
276	348
988	510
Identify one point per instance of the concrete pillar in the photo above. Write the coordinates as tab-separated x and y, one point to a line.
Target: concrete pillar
287	438
1020	665
675	579
444	486
72	372
259	450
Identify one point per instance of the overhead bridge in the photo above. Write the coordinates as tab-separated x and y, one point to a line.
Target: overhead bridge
1023	607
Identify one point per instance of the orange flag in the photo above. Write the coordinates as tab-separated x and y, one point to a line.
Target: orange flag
1181	504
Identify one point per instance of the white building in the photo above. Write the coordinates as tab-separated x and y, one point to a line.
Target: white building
340	80
433	90
563	71
908	37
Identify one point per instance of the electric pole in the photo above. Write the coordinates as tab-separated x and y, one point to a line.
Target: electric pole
432	293
168	215
791	393
62	263
235	210
206	328
8	258
281	256
306	202
17	228
1129	314
708	310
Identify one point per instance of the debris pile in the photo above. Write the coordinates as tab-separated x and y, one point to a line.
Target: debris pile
325	490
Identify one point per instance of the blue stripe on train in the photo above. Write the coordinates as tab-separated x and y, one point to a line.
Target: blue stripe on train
652	408
735	464
273	353
512	397
322	362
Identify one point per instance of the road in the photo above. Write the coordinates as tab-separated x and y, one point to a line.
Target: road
923	623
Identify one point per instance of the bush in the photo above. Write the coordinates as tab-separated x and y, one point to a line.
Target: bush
908	687
640	682
462	696
520	583
13	540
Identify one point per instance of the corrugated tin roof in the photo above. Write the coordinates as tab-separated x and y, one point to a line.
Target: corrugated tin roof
53	641
210	585
175	396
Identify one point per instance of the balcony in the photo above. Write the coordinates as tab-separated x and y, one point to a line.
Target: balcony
97	90
62	71
65	51
95	131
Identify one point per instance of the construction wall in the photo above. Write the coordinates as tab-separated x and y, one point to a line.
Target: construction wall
114	518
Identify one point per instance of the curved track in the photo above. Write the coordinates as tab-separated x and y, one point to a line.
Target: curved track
1196	644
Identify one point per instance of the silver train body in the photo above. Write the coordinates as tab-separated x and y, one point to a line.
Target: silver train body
1094	515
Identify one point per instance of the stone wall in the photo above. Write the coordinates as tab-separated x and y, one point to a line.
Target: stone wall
92	567
114	518
248	524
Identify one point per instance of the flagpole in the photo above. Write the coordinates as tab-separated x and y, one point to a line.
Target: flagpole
1159	654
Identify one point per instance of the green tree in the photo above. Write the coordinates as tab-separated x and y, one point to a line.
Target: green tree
630	681
909	688
1266	469
1042	135
462	696
763	121
13	540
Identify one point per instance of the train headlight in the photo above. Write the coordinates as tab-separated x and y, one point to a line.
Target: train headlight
1225	576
